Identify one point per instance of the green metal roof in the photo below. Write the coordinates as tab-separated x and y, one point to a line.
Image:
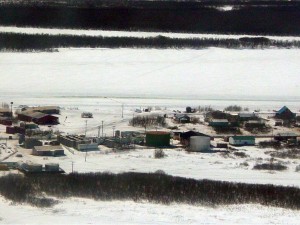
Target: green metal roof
252	138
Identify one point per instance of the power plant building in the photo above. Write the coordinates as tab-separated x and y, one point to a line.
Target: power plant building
158	138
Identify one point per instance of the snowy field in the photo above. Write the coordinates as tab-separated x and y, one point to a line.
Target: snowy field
105	33
200	74
85	211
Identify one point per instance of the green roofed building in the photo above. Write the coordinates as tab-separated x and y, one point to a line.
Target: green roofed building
242	140
157	138
219	123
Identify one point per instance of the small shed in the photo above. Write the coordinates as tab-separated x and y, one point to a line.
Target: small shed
86	115
278	122
182	118
5	112
285	136
158	138
219	123
255	124
242	140
245	116
6	121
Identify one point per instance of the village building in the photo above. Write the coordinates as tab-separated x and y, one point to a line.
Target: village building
199	144
38	118
158	138
242	140
185	137
86	115
6	121
5	112
219	123
182	118
48	150
246	116
285	136
285	114
278	122
79	143
43	109
255	124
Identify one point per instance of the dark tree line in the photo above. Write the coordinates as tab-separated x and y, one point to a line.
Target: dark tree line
148	121
248	17
154	187
45	42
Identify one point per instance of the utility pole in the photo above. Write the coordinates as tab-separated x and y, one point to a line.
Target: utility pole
113	128
102	128
85	128
122	110
11	104
99	127
72	166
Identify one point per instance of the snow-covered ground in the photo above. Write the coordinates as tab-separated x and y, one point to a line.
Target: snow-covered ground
85	211
212	73
215	166
105	33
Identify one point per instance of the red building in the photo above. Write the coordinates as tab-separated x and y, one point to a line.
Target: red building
38	118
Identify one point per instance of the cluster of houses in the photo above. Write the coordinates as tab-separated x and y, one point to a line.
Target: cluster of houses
31	117
39	115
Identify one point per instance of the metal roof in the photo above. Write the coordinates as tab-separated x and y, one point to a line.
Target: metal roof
287	134
246	115
48	148
219	120
283	109
252	138
35	115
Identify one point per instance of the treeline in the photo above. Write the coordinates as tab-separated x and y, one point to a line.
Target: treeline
148	121
45	42
153	187
158	4
257	17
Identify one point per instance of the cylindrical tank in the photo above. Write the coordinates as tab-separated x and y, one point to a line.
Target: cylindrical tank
52	167
199	143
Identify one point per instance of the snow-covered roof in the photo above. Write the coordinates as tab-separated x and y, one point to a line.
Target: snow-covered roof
246	115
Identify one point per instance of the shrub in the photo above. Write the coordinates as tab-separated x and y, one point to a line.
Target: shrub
159	153
290	154
153	187
146	121
270	144
270	166
240	154
233	108
195	120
